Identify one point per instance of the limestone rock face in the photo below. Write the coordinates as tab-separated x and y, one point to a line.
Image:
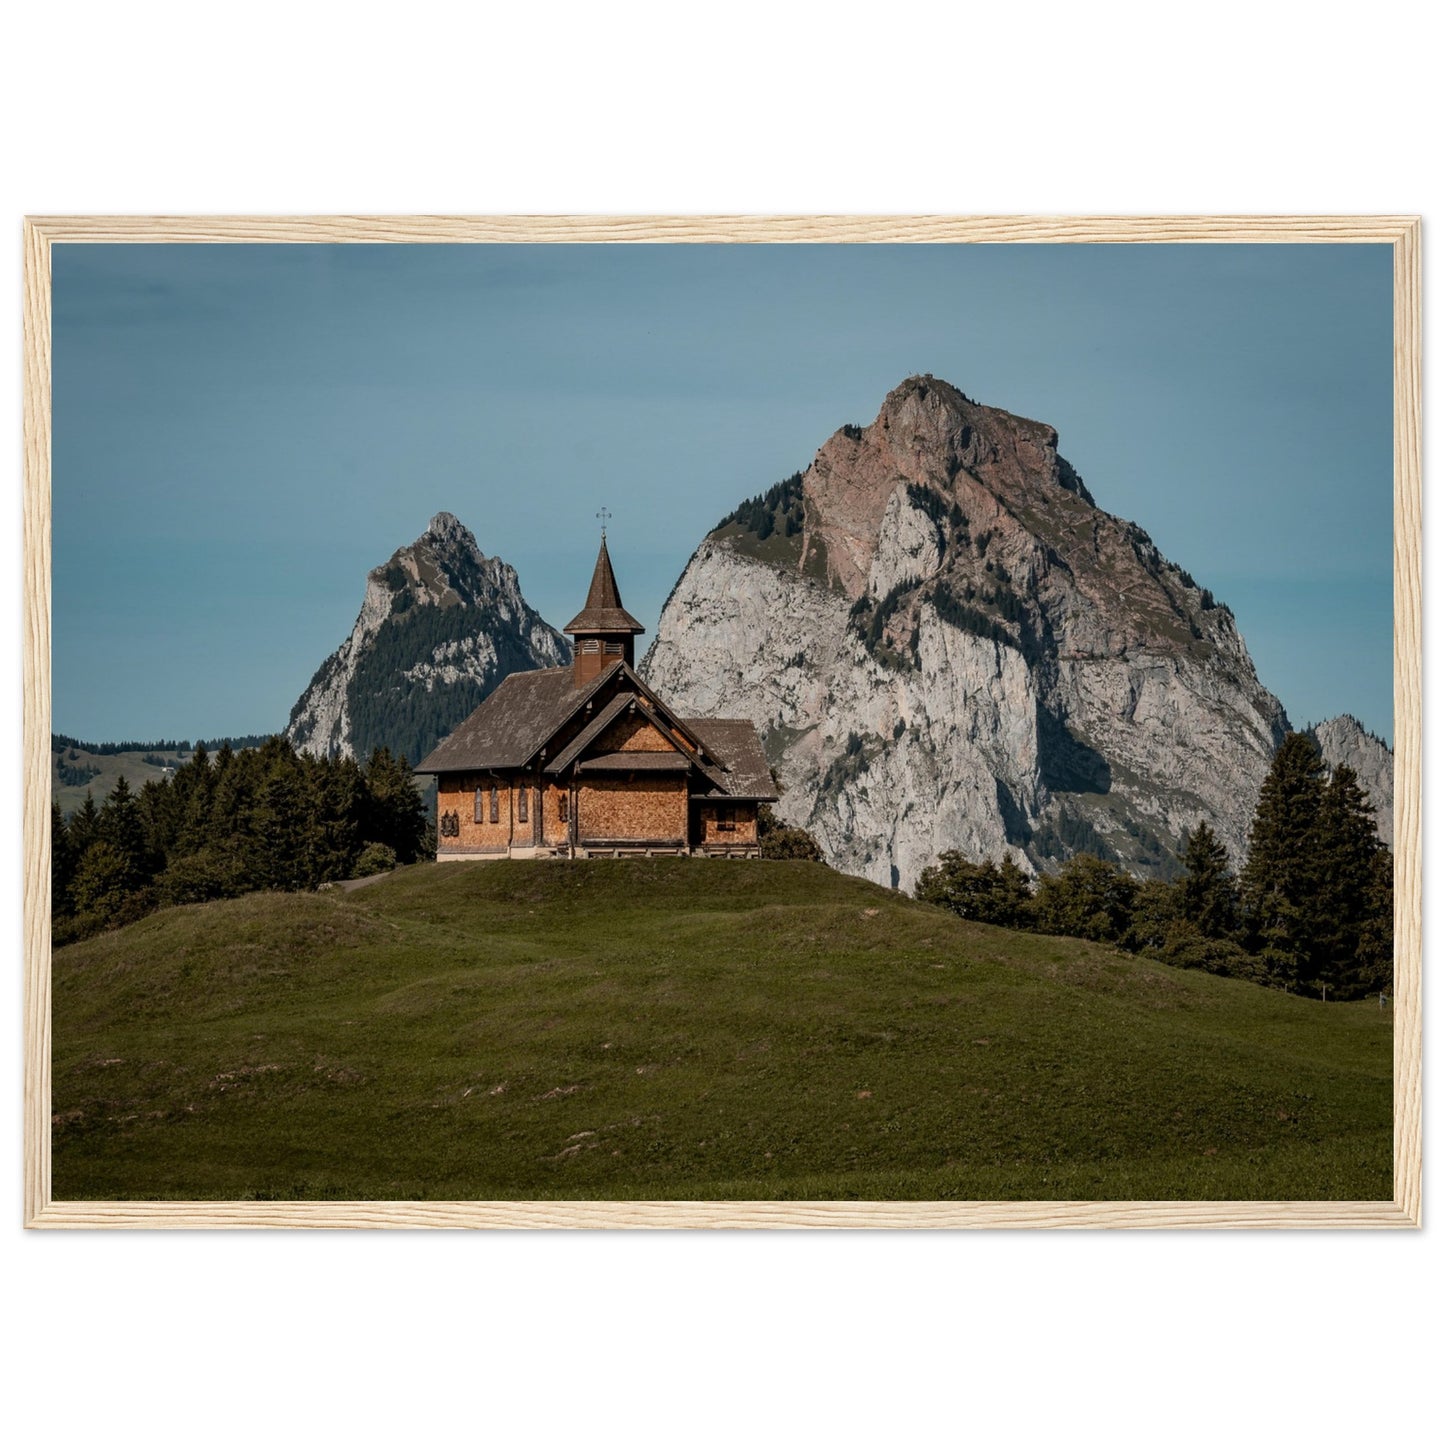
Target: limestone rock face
1344	741
946	644
440	626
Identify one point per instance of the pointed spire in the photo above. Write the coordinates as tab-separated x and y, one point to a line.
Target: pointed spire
604	611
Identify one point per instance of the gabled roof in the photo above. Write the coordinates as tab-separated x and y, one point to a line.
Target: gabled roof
608	715
604	611
736	745
514	722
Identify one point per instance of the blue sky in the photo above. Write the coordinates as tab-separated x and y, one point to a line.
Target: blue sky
241	432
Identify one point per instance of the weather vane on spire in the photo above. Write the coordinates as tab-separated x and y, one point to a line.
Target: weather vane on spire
604	516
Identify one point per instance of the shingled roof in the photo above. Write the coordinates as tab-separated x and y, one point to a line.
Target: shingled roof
735	744
516	720
527	708
604	611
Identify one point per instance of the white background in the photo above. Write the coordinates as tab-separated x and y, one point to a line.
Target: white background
924	107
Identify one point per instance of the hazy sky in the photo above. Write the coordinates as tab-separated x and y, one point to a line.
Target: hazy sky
241	432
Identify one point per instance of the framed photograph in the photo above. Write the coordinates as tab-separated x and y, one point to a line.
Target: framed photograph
723	722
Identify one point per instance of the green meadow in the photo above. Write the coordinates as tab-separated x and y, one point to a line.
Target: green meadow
685	1029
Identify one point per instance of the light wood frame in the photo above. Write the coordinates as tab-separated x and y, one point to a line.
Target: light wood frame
1400	232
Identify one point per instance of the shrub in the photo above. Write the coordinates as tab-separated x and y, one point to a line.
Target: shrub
202	876
778	840
1186	947
986	892
375	858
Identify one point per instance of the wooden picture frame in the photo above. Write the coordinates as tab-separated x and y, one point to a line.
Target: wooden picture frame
1400	232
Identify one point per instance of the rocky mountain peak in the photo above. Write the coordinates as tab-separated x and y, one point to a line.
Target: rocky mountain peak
440	625
1345	740
446	529
947	644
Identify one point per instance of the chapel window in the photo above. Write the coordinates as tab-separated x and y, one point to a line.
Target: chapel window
521	805
562	807
477	807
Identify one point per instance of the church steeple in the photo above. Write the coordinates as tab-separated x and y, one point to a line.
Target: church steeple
603	630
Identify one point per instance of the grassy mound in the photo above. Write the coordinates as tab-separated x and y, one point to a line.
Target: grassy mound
684	1029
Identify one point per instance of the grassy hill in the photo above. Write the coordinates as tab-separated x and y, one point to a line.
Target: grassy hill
105	770
674	1028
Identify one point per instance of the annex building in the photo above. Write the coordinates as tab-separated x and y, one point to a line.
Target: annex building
587	761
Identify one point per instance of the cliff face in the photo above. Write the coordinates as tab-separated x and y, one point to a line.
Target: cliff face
946	644
440	626
1344	741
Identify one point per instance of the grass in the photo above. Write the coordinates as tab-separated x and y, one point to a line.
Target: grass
684	1029
112	768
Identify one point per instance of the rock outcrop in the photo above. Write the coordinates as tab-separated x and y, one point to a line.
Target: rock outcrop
947	644
1344	740
440	626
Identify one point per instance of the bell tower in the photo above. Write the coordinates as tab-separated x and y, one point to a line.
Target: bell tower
602	632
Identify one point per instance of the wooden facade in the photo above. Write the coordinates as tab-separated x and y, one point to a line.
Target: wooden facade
586	760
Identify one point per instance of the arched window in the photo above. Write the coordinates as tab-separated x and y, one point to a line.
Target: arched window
562	807
496	804
477	807
521	805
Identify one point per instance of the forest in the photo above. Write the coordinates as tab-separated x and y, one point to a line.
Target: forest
236	822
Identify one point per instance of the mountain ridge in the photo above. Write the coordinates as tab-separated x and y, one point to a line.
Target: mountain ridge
937	609
440	625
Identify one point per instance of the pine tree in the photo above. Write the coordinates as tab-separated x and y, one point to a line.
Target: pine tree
282	819
1280	882
62	863
84	826
338	805
1346	846
121	825
396	814
1207	895
1375	956
195	786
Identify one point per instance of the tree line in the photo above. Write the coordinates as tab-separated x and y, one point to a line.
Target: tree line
62	741
229	824
1311	911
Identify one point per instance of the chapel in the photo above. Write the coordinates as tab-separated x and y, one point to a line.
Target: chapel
588	761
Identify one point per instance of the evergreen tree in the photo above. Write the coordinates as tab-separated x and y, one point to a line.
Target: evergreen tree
194	786
1207	895
84	827
1154	916
1345	847
122	827
338	807
1280	882
62	863
395	814
104	882
1375	956
282	822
